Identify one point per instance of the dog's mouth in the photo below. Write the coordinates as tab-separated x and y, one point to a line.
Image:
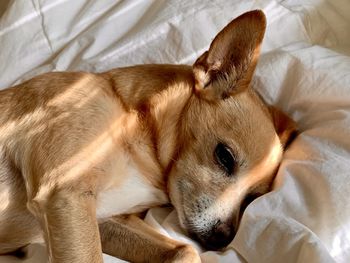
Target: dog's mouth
218	237
219	234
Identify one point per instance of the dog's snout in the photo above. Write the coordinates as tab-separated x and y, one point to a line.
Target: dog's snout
220	236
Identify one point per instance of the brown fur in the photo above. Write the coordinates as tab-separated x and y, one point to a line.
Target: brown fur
68	140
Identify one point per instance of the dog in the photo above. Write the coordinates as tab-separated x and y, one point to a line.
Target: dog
83	155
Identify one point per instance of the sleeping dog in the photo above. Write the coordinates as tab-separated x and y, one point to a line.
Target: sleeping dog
83	154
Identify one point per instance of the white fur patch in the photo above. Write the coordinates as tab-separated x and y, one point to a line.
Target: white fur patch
134	195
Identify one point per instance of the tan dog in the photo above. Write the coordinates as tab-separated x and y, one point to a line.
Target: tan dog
80	152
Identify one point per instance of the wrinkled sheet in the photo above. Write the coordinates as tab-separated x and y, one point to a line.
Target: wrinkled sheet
304	70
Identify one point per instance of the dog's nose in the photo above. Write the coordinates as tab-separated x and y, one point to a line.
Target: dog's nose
220	236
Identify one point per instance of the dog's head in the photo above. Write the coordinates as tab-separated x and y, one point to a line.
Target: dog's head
230	142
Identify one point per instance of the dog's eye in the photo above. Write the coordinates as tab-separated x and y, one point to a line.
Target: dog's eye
224	158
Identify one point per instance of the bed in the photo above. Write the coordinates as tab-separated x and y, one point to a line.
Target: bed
304	70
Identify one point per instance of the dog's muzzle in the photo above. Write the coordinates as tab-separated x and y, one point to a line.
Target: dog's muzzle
218	237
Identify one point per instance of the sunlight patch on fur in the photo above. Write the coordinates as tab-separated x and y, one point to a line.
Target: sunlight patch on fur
4	198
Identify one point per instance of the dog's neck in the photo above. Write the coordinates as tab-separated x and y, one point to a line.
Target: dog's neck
155	95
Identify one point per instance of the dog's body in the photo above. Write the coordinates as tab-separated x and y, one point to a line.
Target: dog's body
79	149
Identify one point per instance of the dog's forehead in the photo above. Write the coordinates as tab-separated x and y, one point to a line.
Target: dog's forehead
242	113
241	121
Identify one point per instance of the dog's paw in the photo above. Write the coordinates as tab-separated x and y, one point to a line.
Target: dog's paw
183	254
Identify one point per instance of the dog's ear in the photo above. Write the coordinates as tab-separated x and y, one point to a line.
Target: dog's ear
227	67
285	127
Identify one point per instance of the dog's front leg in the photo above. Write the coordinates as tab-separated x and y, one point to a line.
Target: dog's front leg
131	239
70	227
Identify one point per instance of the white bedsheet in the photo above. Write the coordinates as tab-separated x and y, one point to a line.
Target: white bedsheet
304	69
